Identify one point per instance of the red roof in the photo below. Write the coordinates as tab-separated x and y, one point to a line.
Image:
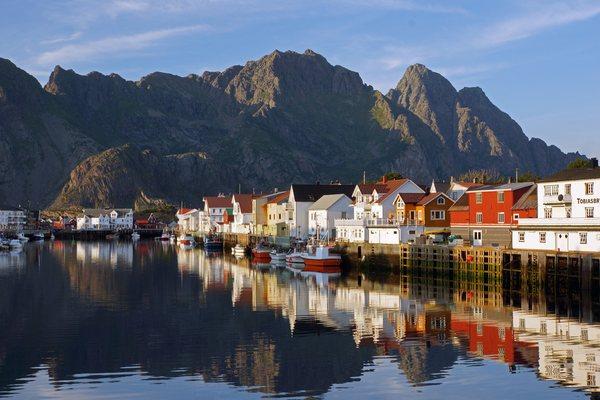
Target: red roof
218	201
391	186
245	201
411	198
430	197
280	198
181	211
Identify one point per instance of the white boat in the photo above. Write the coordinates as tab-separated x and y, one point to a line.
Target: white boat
278	257
294	257
319	259
173	239
15	244
135	236
164	237
186	240
38	236
22	238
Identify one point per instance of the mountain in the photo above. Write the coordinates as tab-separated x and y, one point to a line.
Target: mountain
100	140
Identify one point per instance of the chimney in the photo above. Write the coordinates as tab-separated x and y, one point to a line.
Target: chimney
383	179
275	190
452	179
594	161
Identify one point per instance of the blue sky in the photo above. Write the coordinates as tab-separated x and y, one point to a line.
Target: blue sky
537	60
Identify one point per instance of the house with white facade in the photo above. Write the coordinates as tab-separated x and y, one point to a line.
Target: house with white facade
188	219
278	215
302	197
105	219
374	210
568	214
215	208
12	219
323	213
242	213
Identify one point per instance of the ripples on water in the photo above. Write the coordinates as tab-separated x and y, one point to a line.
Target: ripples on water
147	320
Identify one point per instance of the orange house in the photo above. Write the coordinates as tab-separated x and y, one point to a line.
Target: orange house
418	209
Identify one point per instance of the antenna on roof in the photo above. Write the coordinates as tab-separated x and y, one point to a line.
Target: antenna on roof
239	188
516	174
364	177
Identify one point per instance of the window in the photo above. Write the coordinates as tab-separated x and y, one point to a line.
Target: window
479	218
591	379
516	217
589	188
583	238
502	333
343	214
500	197
550	190
521	237
501	218
522	323
441	200
479	198
547	212
568	188
542	237
584	336
543	328
568	212
438	214
589	212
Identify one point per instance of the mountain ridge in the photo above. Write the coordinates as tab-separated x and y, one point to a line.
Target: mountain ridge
285	117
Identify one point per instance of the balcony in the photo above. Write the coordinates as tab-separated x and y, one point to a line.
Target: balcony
557	199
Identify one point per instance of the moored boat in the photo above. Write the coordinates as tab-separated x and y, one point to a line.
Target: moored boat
261	253
294	257
213	243
135	236
22	237
15	244
321	260
277	257
186	240
112	236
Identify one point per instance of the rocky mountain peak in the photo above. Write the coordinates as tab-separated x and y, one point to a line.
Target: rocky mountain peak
17	86
428	95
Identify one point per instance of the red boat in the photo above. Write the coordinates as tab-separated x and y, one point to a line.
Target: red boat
321	260
261	254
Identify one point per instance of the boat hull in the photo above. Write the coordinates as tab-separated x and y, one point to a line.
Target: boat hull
331	264
261	256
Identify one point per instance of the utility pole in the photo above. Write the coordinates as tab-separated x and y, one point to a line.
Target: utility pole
517	175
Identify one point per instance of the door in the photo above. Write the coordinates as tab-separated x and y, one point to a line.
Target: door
562	242
477	238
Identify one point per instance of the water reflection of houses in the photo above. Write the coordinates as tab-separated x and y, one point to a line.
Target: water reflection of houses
106	253
569	350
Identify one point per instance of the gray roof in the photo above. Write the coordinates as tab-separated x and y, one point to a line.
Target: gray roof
505	186
574	174
325	202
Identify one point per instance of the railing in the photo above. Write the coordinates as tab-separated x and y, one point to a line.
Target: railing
377	222
349	222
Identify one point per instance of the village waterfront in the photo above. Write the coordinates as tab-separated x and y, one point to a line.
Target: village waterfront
97	319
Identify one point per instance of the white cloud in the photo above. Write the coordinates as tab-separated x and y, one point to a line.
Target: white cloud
545	16
407	5
111	45
68	38
402	56
468	70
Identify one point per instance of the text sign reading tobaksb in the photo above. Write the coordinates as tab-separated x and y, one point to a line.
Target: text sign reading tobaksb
588	201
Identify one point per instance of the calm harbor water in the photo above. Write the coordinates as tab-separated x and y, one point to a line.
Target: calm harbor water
101	320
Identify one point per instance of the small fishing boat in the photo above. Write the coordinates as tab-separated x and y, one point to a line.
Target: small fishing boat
294	257
186	240
319	259
277	257
213	243
22	237
135	236
38	236
261	253
164	237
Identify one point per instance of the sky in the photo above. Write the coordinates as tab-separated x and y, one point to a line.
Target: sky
539	61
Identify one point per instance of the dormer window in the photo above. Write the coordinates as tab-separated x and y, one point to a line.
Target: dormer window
441	201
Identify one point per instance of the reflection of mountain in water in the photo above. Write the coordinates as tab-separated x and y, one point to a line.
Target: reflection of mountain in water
100	307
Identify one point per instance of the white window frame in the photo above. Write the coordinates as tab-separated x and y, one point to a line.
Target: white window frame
589	212
582	237
478	198
567	188
589	188
503	219
441	201
521	237
542	237
479	217
500	197
548	212
550	190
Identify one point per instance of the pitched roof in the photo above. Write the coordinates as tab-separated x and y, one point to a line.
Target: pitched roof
411	198
441	186
467	184
325	202
504	186
280	198
217	201
426	199
183	211
245	201
391	186
312	193
369	187
96	212
573	175
461	204
528	200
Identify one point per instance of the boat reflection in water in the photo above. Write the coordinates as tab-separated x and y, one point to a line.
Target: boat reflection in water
113	319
